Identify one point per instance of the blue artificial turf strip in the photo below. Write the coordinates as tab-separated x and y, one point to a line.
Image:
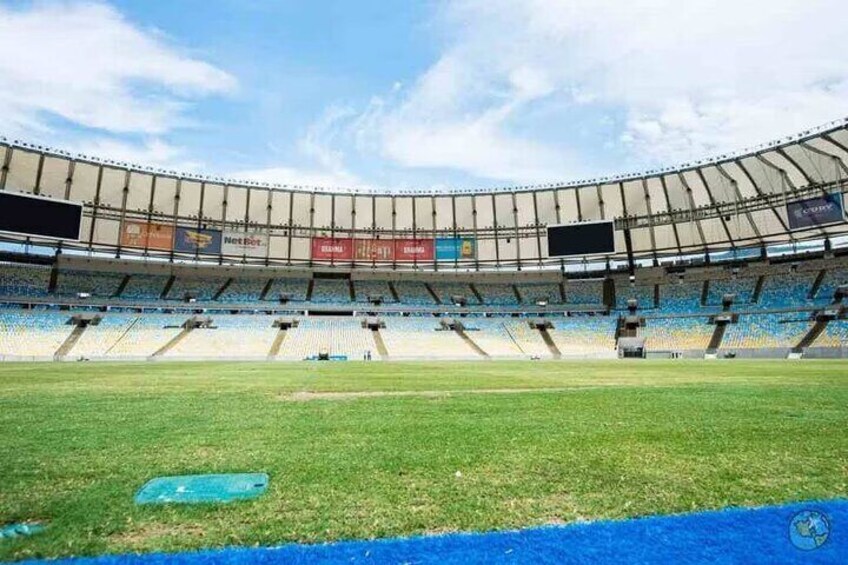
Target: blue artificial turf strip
200	489
750	536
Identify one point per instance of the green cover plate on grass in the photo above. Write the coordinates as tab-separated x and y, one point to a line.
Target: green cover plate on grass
200	489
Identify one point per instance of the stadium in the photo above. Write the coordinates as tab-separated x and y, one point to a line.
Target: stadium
741	256
203	367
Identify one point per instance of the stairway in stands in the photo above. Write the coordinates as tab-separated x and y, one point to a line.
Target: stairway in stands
382	350
174	341
716	339
546	337
470	342
811	336
69	343
277	345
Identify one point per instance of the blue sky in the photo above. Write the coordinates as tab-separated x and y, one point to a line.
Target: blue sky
431	94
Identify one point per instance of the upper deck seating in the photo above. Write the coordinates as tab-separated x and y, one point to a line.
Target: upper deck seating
643	293
24	280
447	290
243	291
331	291
200	289
414	293
295	289
145	287
97	284
588	293
531	293
366	288
497	294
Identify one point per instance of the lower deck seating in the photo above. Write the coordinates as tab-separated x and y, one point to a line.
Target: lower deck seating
336	336
766	330
492	336
835	335
231	337
33	333
423	338
147	335
98	340
677	334
584	336
528	339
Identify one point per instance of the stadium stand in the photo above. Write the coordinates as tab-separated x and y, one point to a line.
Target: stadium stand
532	293
423	338
446	291
32	334
145	287
414	293
295	289
243	291
643	294
97	284
331	291
766	331
99	340
366	288
497	294
333	335
681	297
492	335
197	288
585	336
23	280
676	334
589	293
528	340
742	288
230	337
147	335
783	290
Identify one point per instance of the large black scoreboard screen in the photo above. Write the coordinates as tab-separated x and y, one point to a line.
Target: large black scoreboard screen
39	217
579	240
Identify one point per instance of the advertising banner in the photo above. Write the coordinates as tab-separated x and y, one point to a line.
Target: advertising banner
190	240
455	249
240	243
328	248
414	250
374	249
813	212
143	235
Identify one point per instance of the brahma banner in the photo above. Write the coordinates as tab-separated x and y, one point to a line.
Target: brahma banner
240	243
189	240
332	249
814	212
414	250
374	249
143	235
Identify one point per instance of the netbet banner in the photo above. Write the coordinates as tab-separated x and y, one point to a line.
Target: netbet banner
815	212
455	249
240	243
189	240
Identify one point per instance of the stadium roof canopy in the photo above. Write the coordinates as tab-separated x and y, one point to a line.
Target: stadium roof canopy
732	201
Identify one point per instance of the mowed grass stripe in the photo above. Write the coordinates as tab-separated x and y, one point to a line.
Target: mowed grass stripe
640	438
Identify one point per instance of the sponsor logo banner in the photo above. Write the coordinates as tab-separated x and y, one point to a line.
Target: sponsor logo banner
374	249
328	248
813	212
454	249
189	240
147	236
414	250
240	243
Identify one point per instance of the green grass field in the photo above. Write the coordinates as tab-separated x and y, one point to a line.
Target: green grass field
535	443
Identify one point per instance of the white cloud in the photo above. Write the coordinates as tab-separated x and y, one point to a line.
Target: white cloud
85	63
294	176
688	79
152	152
